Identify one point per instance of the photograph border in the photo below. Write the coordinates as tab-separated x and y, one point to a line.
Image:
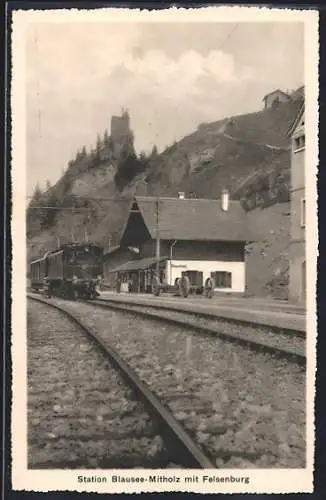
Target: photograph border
8	179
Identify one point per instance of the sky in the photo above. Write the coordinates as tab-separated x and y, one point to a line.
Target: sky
170	76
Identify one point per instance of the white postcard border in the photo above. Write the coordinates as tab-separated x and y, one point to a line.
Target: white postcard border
261	481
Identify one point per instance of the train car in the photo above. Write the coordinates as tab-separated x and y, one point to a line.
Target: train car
73	270
38	271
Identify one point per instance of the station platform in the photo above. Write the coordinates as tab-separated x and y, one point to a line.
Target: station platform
261	311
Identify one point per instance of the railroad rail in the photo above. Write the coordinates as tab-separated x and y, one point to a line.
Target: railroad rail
172	431
292	323
286	325
271	345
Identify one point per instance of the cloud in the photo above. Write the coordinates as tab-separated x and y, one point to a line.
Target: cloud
76	56
180	76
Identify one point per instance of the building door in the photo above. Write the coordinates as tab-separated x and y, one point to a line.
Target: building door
134	280
303	280
142	281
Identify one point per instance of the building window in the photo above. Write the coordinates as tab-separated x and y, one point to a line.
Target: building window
223	279
195	277
303	213
299	142
276	102
303	280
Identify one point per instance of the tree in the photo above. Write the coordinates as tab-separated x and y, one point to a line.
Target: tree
154	151
83	152
142	156
128	169
48	185
98	147
99	143
35	211
37	193
106	138
49	214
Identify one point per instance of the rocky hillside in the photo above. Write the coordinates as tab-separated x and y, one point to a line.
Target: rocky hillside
248	154
236	153
268	259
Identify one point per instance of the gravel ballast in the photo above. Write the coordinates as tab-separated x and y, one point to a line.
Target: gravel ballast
81	414
246	409
258	333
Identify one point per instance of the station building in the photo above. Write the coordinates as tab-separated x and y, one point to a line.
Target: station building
113	258
297	251
199	238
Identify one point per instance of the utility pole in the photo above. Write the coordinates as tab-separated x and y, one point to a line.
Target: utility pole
157	247
86	235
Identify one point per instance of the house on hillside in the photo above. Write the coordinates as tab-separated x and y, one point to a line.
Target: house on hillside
274	98
197	237
297	252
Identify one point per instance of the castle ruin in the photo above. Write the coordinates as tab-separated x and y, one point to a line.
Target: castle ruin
121	134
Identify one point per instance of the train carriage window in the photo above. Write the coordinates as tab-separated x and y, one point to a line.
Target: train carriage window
223	279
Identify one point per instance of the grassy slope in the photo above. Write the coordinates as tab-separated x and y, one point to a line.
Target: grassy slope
228	153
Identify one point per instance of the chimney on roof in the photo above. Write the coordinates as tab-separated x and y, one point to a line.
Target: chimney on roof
225	200
181	195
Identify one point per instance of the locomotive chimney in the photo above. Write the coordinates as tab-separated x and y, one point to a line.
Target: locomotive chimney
225	200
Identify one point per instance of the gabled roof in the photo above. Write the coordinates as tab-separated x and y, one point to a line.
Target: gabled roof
296	120
194	219
274	92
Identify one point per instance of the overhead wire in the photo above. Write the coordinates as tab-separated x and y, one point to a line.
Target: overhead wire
236	25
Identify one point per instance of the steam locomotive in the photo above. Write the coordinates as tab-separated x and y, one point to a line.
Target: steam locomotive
72	271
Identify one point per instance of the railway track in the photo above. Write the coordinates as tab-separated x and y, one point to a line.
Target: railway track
236	314
244	408
287	344
182	449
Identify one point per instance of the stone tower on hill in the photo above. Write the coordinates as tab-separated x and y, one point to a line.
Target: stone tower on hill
121	135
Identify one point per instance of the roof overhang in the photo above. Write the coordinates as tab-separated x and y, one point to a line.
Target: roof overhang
138	265
296	120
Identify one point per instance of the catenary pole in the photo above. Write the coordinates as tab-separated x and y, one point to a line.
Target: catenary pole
157	246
